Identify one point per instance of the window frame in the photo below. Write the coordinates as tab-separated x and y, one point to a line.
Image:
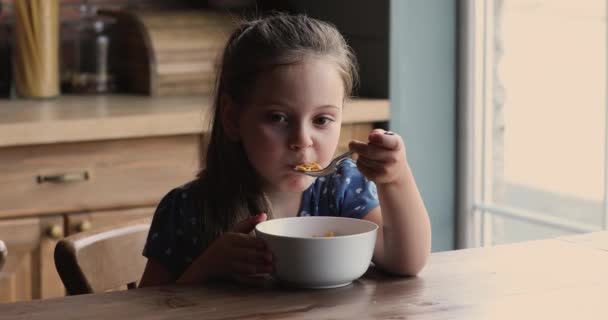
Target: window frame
475	208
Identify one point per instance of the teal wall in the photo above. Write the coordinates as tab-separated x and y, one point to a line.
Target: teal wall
422	92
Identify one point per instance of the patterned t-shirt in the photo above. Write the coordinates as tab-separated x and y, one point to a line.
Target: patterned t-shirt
173	239
345	193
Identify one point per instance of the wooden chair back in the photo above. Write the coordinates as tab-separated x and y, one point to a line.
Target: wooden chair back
3	254
103	259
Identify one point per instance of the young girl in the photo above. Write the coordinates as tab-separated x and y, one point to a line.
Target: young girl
278	104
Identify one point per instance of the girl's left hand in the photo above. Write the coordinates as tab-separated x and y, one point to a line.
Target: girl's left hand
382	160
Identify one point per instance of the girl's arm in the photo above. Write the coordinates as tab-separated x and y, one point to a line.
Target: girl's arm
404	238
234	252
155	274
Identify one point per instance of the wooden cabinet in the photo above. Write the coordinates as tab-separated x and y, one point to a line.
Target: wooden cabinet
51	191
60	178
29	271
71	164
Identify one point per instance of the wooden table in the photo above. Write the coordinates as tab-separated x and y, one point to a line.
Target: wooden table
563	278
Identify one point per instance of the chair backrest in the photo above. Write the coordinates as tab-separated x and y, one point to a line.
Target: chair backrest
3	254
103	259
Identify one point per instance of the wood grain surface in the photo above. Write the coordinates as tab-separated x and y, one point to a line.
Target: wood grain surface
87	118
547	279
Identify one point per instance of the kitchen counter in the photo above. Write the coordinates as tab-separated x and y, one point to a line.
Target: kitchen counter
87	118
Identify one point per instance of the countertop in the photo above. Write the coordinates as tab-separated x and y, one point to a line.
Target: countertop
72	118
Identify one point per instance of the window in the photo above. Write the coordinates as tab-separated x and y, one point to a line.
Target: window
535	99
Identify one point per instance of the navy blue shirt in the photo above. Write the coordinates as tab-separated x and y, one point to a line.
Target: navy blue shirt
173	239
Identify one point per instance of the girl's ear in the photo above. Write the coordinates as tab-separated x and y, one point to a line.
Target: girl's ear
229	117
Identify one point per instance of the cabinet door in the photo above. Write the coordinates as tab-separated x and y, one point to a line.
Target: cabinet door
29	272
103	174
78	222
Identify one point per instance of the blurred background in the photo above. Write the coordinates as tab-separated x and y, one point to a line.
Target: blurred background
502	105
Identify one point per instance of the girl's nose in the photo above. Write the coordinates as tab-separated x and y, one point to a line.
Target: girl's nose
299	139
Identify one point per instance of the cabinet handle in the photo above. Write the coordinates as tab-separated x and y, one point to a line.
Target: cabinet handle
84	226
55	231
64	177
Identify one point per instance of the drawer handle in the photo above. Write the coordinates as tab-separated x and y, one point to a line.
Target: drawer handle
84	226
55	231
64	177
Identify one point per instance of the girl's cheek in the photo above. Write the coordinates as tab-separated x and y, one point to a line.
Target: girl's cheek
272	136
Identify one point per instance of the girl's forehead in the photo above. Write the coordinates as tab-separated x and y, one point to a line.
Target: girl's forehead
311	80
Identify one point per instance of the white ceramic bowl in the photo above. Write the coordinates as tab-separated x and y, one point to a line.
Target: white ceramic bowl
303	257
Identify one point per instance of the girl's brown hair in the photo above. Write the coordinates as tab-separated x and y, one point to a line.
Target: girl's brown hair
229	186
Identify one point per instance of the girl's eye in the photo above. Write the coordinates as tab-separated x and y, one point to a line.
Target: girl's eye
277	117
323	121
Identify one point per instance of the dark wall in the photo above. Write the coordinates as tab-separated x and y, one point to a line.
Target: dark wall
365	25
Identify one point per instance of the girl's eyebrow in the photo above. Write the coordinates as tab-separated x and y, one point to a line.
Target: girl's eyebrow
274	103
329	106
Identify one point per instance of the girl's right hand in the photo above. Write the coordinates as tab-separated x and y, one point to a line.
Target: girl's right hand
237	252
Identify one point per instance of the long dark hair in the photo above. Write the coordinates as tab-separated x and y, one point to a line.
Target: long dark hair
229	186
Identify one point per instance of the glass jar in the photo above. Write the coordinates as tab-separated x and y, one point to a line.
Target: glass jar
91	71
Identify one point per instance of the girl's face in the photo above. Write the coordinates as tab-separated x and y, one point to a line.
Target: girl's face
293	117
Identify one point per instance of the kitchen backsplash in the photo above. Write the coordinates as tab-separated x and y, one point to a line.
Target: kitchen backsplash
70	11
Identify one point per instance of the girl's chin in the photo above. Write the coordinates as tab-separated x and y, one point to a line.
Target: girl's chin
296	183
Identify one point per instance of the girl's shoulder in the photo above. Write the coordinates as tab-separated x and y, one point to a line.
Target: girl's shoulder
347	167
180	192
345	192
180	201
174	235
346	175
